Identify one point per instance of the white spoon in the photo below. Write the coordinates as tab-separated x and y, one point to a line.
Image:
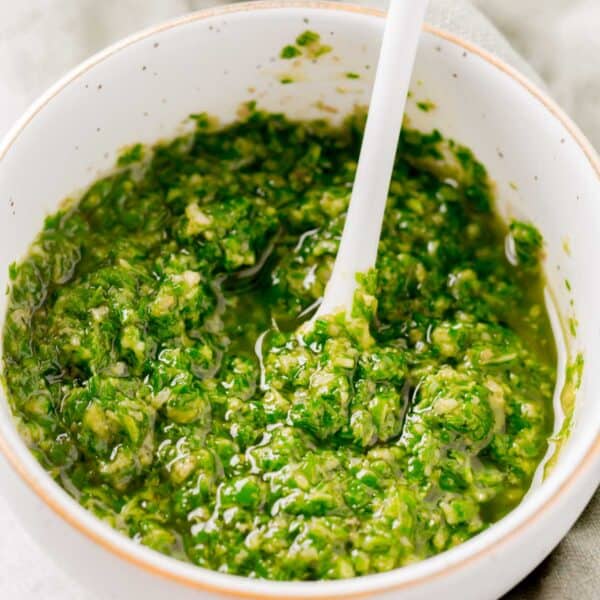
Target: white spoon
358	247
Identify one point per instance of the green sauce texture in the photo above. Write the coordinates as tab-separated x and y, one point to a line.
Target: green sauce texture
156	365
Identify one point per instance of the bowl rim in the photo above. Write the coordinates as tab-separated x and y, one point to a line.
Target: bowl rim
18	457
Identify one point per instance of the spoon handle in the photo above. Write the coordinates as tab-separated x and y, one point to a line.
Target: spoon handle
358	247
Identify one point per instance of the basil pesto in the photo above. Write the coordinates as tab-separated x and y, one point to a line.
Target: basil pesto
157	367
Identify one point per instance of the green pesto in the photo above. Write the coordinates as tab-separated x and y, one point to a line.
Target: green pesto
290	51
426	105
308	38
308	44
157	366
573	323
130	155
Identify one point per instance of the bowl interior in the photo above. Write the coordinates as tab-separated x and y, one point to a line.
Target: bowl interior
144	89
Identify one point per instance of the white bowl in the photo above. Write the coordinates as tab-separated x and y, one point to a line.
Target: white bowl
141	89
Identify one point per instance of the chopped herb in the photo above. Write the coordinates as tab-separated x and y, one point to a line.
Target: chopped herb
527	242
320	50
573	324
310	42
12	271
131	155
307	38
426	105
290	52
